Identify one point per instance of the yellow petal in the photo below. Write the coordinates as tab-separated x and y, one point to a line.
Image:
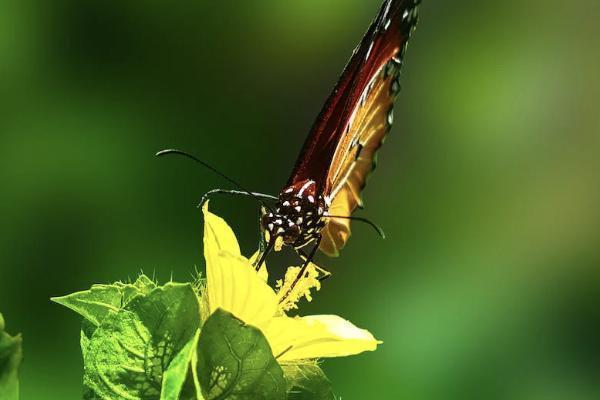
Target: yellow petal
262	272
316	336
218	236
233	285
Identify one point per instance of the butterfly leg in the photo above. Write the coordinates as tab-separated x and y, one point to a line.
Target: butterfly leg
263	253
324	273
260	196
302	272
264	246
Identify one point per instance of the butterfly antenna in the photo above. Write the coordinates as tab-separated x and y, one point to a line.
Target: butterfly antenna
213	169
377	228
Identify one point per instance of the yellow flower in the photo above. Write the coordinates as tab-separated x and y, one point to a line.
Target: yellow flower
233	285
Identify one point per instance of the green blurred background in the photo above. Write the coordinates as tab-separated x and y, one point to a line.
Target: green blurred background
488	285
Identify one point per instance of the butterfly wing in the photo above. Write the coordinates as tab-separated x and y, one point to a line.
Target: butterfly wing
357	155
340	151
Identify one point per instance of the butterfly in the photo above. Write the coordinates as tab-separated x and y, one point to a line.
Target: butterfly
324	189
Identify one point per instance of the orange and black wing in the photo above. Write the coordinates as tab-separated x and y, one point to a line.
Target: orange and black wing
340	151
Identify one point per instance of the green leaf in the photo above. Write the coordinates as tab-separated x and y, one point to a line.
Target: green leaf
307	382
10	360
176	374
128	354
144	284
141	287
87	330
235	361
115	364
94	304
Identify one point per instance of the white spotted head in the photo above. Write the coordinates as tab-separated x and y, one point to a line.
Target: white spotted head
298	216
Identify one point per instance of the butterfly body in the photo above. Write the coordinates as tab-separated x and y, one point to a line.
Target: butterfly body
299	215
